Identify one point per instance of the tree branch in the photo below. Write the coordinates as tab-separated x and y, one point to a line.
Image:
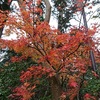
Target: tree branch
20	2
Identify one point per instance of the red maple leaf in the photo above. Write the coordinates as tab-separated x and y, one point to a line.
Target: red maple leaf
87	96
73	84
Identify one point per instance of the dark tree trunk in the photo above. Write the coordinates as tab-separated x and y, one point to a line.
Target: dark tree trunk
1	31
56	89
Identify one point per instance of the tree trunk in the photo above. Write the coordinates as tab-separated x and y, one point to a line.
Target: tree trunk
1	30
56	89
48	10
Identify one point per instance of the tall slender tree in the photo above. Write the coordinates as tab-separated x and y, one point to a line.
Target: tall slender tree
63	11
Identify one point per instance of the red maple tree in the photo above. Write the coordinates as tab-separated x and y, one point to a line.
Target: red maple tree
62	58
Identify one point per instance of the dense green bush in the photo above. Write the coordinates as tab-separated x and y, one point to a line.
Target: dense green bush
92	83
9	76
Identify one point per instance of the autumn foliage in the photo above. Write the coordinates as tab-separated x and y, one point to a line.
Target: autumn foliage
62	58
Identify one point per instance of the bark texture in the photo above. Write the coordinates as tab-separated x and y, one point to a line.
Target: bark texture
48	10
56	89
1	30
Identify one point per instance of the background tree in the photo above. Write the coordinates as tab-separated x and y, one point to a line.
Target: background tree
63	11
